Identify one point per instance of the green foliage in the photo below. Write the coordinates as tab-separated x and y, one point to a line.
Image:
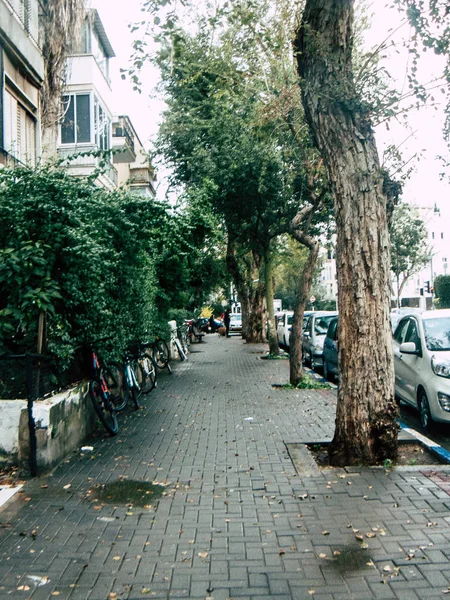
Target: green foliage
409	244
442	290
83	256
308	383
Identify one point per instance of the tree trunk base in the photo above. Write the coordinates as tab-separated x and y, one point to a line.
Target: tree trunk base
381	443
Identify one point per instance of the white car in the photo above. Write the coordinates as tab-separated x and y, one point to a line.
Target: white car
314	332
236	323
284	326
422	364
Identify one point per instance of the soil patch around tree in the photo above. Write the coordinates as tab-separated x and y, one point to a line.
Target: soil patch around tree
409	454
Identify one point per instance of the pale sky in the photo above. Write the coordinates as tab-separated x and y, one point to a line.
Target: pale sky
423	188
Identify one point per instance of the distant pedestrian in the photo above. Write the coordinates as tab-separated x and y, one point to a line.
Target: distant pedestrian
226	322
212	325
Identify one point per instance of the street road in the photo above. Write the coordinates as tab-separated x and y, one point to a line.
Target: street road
440	432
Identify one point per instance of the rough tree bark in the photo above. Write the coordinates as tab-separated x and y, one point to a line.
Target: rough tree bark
366	431
250	295
271	329
303	293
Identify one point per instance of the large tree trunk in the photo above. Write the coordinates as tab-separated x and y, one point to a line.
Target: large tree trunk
366	431
303	294
251	293
271	328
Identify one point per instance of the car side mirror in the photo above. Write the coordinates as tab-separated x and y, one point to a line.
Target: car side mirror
410	348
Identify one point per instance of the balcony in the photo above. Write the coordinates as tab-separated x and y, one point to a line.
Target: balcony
122	142
82	164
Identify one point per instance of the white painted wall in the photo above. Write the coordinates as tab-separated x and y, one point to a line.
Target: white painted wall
9	428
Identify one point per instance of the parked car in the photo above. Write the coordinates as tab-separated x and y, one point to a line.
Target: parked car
314	333
398	313
422	364
235	323
330	351
284	326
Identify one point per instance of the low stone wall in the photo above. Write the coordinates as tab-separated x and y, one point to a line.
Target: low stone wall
63	422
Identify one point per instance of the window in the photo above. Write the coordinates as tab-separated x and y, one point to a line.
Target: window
19	130
76	127
437	334
27	12
76	124
332	330
102	127
321	326
401	331
100	55
412	334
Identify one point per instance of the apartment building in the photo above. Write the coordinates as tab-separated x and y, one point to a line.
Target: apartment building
85	125
22	73
132	162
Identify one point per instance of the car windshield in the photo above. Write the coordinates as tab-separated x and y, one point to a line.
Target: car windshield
321	326
437	333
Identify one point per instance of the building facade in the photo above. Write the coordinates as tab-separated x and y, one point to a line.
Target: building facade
132	162
85	126
22	73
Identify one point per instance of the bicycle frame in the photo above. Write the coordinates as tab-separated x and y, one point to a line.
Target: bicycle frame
131	377
98	374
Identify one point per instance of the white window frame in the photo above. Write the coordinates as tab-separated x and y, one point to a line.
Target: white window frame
96	125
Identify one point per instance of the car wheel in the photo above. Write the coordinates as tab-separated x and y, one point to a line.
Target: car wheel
424	411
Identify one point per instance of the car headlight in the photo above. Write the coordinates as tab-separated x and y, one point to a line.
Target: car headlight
440	367
444	401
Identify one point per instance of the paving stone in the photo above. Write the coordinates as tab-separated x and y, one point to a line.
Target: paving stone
237	519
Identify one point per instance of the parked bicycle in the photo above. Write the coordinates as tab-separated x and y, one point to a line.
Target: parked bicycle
140	370
106	390
178	339
161	353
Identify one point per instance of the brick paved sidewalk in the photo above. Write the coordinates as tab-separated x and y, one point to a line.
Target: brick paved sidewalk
236	521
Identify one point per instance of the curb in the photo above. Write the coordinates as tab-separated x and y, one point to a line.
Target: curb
7	492
432	447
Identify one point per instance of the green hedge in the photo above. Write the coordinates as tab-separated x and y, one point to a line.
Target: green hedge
77	253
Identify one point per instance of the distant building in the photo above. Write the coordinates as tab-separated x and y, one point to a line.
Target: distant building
436	220
328	276
132	162
22	72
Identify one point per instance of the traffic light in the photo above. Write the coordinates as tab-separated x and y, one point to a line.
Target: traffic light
427	287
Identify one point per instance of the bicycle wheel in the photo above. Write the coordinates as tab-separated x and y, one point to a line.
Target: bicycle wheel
147	373
161	354
118	390
103	408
